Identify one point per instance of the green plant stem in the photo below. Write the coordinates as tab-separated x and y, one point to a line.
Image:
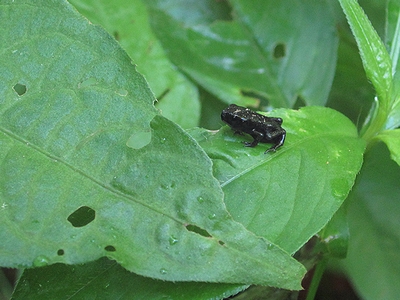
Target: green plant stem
376	125
319	271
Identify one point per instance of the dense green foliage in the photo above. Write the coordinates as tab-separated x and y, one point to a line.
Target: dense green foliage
105	190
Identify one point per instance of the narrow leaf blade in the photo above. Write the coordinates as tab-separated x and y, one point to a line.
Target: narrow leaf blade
376	60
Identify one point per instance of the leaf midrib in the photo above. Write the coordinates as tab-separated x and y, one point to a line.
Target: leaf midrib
279	152
125	196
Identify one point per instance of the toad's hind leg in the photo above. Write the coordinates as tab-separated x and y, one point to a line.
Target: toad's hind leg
278	144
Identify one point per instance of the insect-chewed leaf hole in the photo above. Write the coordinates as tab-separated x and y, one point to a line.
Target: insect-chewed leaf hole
300	102
198	230
60	252
279	50
116	35
20	89
221	243
82	216
110	248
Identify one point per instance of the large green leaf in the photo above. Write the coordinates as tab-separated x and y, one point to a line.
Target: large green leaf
128	22
288	196
373	255
280	50
77	183
105	279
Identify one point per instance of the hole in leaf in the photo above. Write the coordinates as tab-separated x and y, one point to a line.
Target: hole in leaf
221	243
82	216
198	230
280	50
110	248
116	35
20	89
221	10
60	252
300	102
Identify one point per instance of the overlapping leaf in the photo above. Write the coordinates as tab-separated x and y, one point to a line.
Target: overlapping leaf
256	47
105	279
374	228
289	195
128	22
75	183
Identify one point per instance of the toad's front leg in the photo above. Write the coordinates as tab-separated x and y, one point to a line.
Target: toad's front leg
257	137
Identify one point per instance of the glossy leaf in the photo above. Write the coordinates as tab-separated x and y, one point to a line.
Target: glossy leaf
351	94
376	61
392	37
105	279
392	139
374	213
334	237
128	22
375	58
277	52
72	190
393	43
288	196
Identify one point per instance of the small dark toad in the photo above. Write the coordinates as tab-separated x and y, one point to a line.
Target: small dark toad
263	129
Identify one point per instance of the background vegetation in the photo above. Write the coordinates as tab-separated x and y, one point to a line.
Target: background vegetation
102	194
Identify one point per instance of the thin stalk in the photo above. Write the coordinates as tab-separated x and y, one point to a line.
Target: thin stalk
319	271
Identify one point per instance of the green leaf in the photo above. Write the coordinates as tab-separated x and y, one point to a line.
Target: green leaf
373	255
128	22
105	279
351	94
288	196
334	237
279	51
376	61
392	140
392	36
72	190
393	43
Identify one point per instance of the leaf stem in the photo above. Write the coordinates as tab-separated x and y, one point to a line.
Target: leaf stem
376	124
319	271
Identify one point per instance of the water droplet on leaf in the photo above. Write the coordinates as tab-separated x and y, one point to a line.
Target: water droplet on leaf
212	216
41	261
163	271
173	240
